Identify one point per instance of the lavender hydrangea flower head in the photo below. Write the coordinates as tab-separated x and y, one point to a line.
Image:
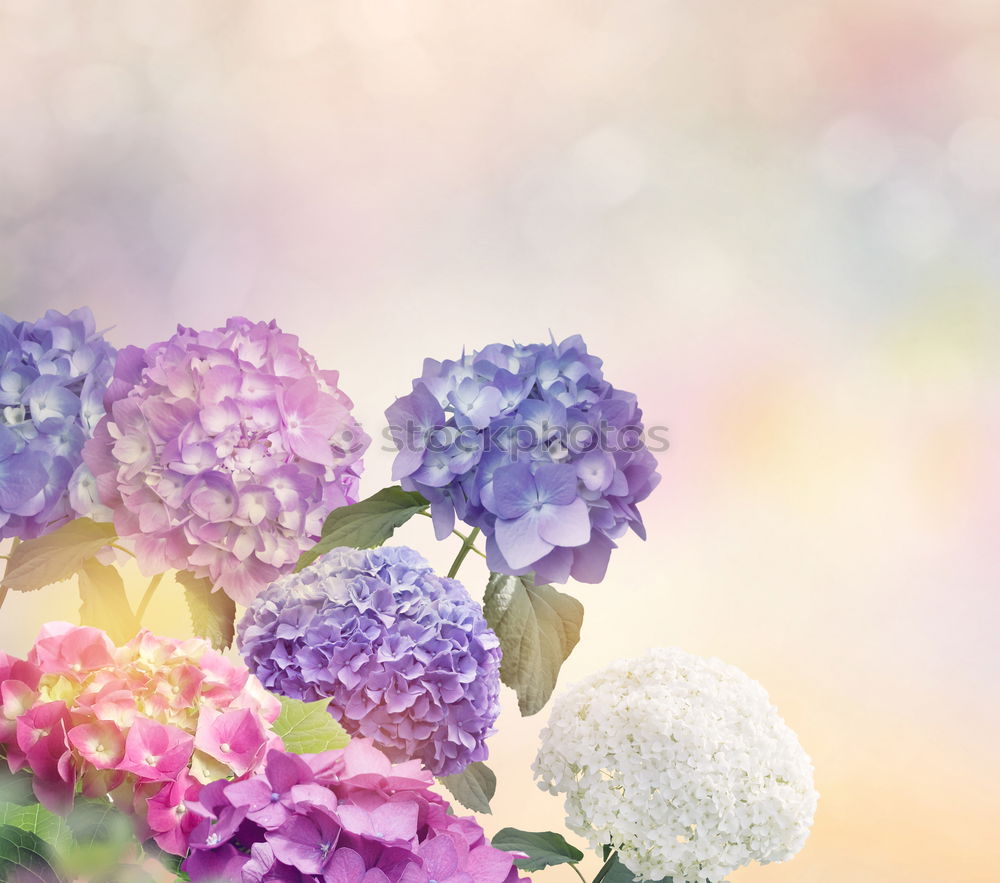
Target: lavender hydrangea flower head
53	375
534	447
405	656
223	451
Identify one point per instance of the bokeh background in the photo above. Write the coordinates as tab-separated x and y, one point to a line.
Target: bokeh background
776	221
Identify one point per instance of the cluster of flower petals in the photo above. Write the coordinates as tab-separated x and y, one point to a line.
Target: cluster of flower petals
344	816
53	376
405	656
531	445
682	764
222	453
147	723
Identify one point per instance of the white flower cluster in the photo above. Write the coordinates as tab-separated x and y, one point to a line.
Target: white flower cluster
682	764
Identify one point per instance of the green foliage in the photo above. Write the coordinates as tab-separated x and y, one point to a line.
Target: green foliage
615	872
56	556
37	820
15	788
474	787
543	848
538	627
103	602
308	727
103	837
25	857
213	614
366	524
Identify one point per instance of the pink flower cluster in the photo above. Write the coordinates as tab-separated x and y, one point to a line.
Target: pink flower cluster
223	452
344	816
148	723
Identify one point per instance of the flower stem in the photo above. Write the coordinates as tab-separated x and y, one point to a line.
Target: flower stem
606	869
457	533
576	871
146	598
467	546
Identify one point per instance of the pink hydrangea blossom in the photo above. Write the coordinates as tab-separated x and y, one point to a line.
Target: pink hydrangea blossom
148	723
344	816
222	453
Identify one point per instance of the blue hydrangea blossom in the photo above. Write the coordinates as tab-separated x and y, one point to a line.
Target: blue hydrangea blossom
52	381
534	447
405	656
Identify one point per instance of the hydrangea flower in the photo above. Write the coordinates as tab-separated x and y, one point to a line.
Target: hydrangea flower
53	375
223	452
147	722
531	445
344	816
682	764
405	657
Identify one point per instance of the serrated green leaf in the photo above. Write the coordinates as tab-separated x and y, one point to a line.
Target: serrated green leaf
56	556
474	787
38	820
543	848
308	727
25	857
538	628
213	614
366	524
103	603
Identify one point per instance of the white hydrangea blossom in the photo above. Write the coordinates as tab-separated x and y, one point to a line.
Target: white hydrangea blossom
682	764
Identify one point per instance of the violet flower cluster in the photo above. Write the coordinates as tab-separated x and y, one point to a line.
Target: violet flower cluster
531	445
53	374
405	656
344	816
146	723
223	452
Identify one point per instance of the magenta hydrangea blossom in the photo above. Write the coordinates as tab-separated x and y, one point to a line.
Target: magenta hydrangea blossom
53	376
534	447
344	816
223	452
405	656
147	723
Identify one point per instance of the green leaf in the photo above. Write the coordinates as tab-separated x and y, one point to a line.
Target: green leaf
538	628
543	848
308	727
615	872
103	602
102	835
56	556
213	614
15	787
36	819
474	787
366	524
25	857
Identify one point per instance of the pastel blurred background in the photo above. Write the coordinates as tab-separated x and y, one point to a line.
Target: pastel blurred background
776	221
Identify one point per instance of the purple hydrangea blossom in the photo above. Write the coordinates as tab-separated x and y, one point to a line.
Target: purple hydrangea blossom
222	453
53	375
405	656
533	446
349	816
